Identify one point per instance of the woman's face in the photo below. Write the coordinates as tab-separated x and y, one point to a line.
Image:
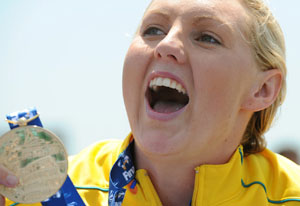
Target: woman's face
186	76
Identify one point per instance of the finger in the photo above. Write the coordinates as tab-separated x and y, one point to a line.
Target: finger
2	201
6	178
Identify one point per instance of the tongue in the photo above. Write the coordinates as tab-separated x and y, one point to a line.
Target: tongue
167	107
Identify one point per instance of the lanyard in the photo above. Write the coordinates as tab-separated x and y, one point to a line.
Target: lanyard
124	166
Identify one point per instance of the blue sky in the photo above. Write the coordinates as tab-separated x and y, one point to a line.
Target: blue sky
65	57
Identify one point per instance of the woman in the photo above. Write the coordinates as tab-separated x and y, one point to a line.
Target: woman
202	81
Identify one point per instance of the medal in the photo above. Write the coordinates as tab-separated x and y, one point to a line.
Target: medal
37	157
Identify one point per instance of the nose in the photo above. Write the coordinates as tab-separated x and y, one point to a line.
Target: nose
171	47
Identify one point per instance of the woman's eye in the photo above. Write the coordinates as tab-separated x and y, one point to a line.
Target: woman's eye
207	38
153	31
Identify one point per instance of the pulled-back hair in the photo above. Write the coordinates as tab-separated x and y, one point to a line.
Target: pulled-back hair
266	39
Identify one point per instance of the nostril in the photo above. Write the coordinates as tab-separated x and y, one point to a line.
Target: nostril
172	56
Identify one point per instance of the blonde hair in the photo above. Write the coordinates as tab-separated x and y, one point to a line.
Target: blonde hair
267	41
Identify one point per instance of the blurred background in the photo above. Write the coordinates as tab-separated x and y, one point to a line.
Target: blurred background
65	58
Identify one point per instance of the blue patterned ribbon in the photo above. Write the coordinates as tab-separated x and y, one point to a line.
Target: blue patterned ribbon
121	174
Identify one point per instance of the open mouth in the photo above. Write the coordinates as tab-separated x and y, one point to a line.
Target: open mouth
165	95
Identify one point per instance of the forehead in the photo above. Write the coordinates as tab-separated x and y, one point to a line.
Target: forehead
231	12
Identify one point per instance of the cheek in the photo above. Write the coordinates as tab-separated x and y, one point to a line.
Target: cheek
134	72
219	82
136	60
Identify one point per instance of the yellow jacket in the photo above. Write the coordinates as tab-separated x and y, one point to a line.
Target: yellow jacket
256	180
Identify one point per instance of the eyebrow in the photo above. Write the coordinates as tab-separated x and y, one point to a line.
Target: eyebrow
160	12
208	17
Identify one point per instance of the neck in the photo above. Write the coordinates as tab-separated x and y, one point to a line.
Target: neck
173	182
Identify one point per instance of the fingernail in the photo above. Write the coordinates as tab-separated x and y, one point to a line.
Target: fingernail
11	180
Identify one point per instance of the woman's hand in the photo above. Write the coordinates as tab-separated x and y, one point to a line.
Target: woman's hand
7	179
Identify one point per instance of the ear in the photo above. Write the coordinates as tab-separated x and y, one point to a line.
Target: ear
266	92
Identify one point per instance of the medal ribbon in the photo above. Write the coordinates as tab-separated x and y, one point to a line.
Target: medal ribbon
67	194
121	174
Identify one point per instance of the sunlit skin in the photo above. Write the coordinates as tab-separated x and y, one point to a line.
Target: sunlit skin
202	43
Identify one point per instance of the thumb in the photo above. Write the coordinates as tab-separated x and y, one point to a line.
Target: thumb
6	178
2	201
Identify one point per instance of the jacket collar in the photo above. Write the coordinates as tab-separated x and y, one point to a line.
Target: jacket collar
222	182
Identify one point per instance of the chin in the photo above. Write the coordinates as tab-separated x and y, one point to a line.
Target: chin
158	143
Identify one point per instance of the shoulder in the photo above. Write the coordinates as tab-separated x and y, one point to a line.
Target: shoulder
92	165
279	166
277	175
98	150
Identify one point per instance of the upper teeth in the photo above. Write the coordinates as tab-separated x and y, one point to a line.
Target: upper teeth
166	82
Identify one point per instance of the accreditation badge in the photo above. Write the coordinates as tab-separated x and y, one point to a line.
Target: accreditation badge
38	158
